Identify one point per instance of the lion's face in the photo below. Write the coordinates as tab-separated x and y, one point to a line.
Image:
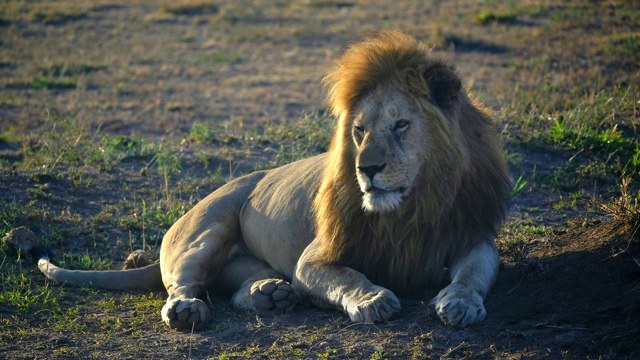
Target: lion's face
390	139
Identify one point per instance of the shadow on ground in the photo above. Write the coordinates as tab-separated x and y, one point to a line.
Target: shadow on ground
574	293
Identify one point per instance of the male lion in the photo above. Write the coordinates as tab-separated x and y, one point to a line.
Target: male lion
412	190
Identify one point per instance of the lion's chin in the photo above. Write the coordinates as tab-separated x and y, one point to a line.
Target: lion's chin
381	201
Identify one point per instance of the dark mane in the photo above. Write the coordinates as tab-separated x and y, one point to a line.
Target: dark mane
459	199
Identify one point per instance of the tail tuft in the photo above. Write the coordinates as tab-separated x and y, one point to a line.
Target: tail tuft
38	252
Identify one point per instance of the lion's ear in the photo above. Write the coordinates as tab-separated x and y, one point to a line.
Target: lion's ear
443	83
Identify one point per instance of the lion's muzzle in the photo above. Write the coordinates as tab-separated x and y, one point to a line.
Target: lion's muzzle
371	170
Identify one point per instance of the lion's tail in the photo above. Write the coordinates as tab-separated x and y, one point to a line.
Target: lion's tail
145	277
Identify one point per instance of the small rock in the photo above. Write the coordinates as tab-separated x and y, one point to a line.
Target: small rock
136	259
20	240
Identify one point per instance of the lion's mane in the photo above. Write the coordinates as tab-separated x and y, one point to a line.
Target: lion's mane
460	197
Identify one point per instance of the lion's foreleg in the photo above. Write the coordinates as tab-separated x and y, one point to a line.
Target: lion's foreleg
461	303
339	287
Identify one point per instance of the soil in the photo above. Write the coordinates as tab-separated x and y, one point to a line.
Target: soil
572	292
576	295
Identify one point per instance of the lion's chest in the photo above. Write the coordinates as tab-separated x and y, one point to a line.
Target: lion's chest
407	263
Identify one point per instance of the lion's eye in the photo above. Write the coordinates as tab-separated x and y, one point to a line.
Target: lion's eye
358	133
401	125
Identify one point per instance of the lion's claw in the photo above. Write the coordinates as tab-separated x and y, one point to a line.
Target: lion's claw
270	295
185	314
374	307
457	305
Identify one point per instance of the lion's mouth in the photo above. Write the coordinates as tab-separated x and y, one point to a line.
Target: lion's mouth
374	190
375	199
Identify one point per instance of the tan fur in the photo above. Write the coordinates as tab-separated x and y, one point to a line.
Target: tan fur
463	191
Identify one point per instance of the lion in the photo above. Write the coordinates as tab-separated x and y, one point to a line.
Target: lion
409	196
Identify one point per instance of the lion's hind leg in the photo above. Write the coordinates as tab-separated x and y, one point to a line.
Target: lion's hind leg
272	295
256	286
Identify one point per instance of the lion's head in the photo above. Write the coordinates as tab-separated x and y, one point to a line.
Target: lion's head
414	167
392	102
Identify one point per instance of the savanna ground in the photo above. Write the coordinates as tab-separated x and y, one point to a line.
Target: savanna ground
117	116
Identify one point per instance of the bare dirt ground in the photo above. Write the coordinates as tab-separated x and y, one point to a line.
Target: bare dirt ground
146	71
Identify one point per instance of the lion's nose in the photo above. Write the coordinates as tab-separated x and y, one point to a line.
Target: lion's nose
371	170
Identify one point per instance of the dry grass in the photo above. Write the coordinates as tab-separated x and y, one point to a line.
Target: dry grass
116	117
625	209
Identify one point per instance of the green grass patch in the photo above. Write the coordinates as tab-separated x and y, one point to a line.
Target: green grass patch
308	137
488	17
585	137
84	262
624	44
69	321
39	191
68	142
518	186
379	354
115	149
160	214
18	291
7	98
222	58
89	191
200	133
190	7
124	146
169	213
54	83
515	236
61	144
623	152
145	303
219	134
107	305
600	128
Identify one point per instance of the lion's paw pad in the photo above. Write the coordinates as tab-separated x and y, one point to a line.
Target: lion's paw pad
185	314
457	305
272	295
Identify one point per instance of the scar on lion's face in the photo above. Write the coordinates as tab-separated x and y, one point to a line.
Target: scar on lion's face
387	138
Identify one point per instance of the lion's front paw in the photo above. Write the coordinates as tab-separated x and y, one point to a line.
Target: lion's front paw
457	305
185	314
376	306
270	295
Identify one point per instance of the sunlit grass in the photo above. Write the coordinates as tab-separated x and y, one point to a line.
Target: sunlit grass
129	127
